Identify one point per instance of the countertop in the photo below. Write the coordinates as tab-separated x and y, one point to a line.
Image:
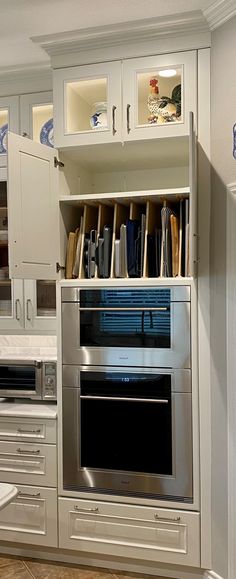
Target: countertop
27	409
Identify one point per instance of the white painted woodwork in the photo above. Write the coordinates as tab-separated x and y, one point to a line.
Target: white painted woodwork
27	102
31	517
28	463
112	73
162	535
131	67
32	320
11	104
33	209
28	430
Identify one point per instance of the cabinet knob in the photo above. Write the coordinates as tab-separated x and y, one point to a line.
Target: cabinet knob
24	134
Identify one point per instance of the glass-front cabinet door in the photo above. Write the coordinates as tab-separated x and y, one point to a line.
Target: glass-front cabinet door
87	104
40	304
36	117
158	94
9	120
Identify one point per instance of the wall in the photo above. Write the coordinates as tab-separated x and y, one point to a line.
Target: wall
223	116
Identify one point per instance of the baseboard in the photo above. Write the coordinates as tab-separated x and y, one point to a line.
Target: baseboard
212	575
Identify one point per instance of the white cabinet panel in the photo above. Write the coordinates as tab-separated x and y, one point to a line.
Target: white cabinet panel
28	430
163	535
146	109
36	116
31	517
28	463
33	209
87	104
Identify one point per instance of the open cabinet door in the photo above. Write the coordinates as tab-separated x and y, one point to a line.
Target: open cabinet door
33	209
193	238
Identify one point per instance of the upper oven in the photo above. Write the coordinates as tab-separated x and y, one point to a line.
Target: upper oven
148	327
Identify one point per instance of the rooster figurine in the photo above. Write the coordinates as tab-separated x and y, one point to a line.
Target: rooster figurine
153	100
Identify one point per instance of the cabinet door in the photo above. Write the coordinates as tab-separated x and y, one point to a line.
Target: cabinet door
40	304
9	120
87	104
36	117
33	209
158	94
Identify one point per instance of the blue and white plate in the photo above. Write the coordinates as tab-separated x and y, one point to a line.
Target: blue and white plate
46	134
3	139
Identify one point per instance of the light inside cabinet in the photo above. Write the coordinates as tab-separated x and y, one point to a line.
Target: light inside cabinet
86	105
42	121
159	97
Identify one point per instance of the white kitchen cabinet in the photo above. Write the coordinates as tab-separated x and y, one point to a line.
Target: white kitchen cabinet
28	463
126	100
161	535
9	120
87	104
36	117
23	305
28	430
31	518
41	217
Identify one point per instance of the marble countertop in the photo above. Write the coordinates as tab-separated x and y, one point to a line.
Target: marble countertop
27	409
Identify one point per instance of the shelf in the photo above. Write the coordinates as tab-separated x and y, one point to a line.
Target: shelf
128	282
125	198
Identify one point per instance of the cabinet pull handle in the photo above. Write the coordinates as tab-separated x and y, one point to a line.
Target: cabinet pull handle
127	117
113	120
17	307
20	451
24	431
24	134
29	495
172	519
83	510
28	302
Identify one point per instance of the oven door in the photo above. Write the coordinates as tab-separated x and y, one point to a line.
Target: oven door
20	379
128	432
128	327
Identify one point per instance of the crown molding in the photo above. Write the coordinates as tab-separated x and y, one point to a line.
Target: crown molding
40	69
99	37
219	12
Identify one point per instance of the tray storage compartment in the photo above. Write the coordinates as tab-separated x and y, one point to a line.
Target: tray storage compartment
164	535
28	430
28	463
31	517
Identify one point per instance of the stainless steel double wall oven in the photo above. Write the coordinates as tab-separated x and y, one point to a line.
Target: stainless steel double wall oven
127	401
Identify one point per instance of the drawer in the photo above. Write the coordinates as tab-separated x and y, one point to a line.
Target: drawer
28	463
31	517
26	429
161	535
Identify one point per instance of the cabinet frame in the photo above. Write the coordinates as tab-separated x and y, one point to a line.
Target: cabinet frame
12	105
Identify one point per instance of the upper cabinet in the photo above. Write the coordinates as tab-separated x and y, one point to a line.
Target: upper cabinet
143	98
36	117
9	120
87	104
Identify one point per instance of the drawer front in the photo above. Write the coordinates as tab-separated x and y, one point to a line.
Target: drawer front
27	463
31	517
26	429
162	535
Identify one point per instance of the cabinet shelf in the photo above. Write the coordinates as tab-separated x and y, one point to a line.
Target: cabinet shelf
126	198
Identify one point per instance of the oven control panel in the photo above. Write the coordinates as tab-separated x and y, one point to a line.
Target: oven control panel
49	381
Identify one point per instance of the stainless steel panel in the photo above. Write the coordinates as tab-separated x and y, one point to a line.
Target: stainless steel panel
177	356
180	379
69	294
179	486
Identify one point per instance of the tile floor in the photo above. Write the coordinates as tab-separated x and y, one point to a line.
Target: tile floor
13	568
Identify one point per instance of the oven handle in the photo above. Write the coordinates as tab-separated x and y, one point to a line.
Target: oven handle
126	399
160	309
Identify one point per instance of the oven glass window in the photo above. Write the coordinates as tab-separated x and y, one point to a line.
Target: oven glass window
126	422
17	378
120	318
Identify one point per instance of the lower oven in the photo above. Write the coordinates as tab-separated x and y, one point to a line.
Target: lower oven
128	432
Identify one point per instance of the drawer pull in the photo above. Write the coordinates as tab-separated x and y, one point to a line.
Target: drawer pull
172	519
24	431
29	495
83	510
27	451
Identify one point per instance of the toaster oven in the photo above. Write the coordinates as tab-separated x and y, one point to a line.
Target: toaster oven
32	379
